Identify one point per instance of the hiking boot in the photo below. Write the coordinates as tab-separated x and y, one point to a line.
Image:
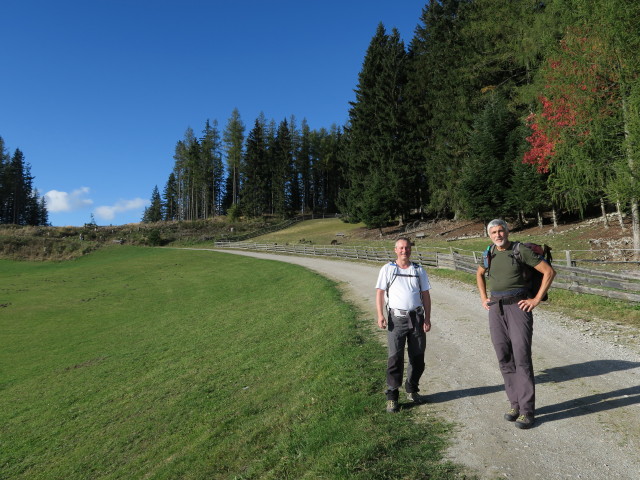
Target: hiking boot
525	421
392	406
512	415
416	398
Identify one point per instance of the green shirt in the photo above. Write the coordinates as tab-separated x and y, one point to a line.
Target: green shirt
505	273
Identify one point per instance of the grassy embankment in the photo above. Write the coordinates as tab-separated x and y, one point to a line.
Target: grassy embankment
144	363
65	243
581	306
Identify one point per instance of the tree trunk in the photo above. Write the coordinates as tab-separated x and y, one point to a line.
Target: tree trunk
554	215
235	193
619	211
605	220
540	219
635	217
635	228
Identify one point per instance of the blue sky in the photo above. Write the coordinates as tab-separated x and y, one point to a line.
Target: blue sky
97	93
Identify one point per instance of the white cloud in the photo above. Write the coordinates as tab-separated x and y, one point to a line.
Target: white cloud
67	202
109	212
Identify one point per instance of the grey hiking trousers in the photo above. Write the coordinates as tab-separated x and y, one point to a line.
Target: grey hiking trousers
403	331
511	334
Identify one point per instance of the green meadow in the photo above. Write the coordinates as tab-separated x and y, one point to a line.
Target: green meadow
134	363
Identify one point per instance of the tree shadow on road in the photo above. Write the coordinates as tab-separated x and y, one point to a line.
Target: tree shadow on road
592	368
591	403
570	408
599	402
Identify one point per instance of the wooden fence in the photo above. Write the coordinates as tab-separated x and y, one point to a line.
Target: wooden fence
622	286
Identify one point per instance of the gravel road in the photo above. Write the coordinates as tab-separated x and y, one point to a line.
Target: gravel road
588	385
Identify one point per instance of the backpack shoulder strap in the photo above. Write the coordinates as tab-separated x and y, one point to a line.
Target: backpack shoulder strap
416	266
393	278
487	255
516	252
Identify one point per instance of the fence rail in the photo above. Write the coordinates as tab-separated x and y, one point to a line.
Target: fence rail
621	286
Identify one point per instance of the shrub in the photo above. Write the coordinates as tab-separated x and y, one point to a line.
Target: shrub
154	238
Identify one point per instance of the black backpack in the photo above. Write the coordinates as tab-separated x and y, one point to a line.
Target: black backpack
532	276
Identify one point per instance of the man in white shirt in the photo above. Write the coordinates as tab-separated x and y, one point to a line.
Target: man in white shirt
406	285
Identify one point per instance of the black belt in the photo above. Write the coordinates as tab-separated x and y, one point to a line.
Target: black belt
510	300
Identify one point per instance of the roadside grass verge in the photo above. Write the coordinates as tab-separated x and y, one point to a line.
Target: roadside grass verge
151	363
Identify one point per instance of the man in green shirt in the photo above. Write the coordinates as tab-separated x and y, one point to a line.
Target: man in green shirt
510	309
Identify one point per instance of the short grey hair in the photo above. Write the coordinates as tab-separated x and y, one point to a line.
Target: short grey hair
498	222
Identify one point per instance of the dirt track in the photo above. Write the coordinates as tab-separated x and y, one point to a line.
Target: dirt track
588	388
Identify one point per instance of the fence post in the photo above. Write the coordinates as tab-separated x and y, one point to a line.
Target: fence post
568	256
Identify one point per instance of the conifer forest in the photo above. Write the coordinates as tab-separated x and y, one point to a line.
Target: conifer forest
494	108
521	109
20	202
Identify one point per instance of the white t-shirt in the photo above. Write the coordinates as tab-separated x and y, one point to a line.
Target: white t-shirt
405	290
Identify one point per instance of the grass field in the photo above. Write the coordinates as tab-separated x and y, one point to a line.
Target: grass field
319	232
153	363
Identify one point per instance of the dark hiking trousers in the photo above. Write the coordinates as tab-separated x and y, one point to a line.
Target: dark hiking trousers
400	331
511	334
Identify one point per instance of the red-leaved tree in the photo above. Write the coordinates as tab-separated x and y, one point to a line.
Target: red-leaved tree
578	95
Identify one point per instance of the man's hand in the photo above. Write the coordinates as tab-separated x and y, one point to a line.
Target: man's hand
528	304
382	322
485	303
426	325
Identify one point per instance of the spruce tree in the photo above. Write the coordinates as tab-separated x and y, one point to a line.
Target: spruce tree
440	94
153	213
282	157
376	156
486	174
170	199
213	168
272	164
255	192
327	171
4	181
233	140
189	176
43	213
527	192
303	161
20	182
295	200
